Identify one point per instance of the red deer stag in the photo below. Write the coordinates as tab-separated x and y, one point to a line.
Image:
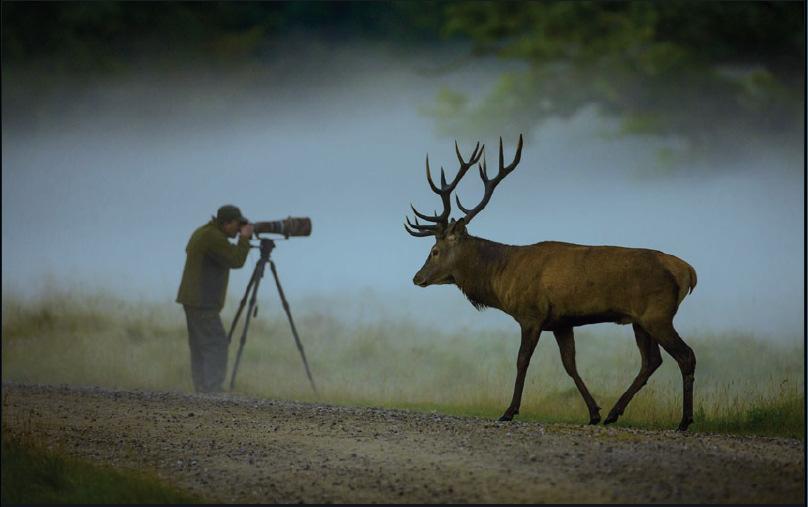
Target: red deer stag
555	286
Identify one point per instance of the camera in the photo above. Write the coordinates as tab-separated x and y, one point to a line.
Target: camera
290	226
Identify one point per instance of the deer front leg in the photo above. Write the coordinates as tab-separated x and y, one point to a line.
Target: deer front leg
530	337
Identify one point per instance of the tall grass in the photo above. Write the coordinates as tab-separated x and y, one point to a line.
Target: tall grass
33	474
743	384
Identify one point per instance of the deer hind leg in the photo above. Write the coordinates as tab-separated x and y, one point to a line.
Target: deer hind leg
665	334
651	359
530	338
566	345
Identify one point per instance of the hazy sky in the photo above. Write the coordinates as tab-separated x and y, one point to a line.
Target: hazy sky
108	190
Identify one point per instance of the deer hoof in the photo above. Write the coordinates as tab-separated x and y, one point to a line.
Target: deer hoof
506	417
595	419
612	418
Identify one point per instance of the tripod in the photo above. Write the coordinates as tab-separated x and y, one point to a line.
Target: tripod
258	273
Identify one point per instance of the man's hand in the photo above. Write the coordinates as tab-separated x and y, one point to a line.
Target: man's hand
246	231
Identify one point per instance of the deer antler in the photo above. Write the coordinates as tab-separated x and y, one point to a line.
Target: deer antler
444	192
490	184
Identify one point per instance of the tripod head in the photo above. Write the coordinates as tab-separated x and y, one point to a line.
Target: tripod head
266	246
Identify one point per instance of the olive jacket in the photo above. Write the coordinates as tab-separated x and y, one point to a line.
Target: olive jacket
210	256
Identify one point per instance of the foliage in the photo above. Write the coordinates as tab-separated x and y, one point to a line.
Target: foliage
32	474
743	384
123	36
710	72
719	74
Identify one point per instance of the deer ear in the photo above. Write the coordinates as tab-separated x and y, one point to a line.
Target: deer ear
456	229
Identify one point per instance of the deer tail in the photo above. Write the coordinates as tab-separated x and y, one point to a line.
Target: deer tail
683	273
693	278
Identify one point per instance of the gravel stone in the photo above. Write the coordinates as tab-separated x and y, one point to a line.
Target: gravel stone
274	451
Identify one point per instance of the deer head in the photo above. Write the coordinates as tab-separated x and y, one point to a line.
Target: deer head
450	235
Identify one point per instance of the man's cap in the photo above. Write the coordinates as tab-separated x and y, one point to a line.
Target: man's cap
228	212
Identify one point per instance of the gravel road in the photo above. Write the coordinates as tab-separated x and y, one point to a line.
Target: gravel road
236	449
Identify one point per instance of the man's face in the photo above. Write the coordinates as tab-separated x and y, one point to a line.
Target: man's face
231	228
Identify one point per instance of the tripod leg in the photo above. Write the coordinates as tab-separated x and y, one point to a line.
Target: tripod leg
241	305
259	273
292	324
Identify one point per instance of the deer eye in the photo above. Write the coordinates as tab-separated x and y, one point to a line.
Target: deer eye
434	252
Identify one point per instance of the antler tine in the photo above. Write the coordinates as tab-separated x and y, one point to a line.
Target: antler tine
480	154
434	219
419	226
473	158
483	170
490	184
460	206
501	157
418	234
474	155
420	230
464	165
516	158
429	177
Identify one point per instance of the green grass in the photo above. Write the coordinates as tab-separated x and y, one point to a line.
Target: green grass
32	474
743	384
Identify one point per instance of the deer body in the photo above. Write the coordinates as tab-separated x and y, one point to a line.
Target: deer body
564	284
555	286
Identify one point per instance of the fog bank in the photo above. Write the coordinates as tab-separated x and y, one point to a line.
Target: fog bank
103	184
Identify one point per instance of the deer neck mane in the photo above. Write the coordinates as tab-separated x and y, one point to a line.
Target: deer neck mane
482	261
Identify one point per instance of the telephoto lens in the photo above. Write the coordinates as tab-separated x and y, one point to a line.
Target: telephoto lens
290	226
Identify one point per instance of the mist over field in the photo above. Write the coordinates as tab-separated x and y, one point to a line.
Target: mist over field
126	125
105	179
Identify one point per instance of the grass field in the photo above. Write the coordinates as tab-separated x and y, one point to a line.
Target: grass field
743	384
32	474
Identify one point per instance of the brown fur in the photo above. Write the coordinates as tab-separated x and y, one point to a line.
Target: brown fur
559	283
556	286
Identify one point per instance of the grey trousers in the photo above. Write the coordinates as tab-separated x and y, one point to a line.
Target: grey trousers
208	342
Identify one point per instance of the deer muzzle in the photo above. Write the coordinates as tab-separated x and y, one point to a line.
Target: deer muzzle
419	280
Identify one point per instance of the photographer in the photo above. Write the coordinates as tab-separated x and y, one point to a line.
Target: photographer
210	256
